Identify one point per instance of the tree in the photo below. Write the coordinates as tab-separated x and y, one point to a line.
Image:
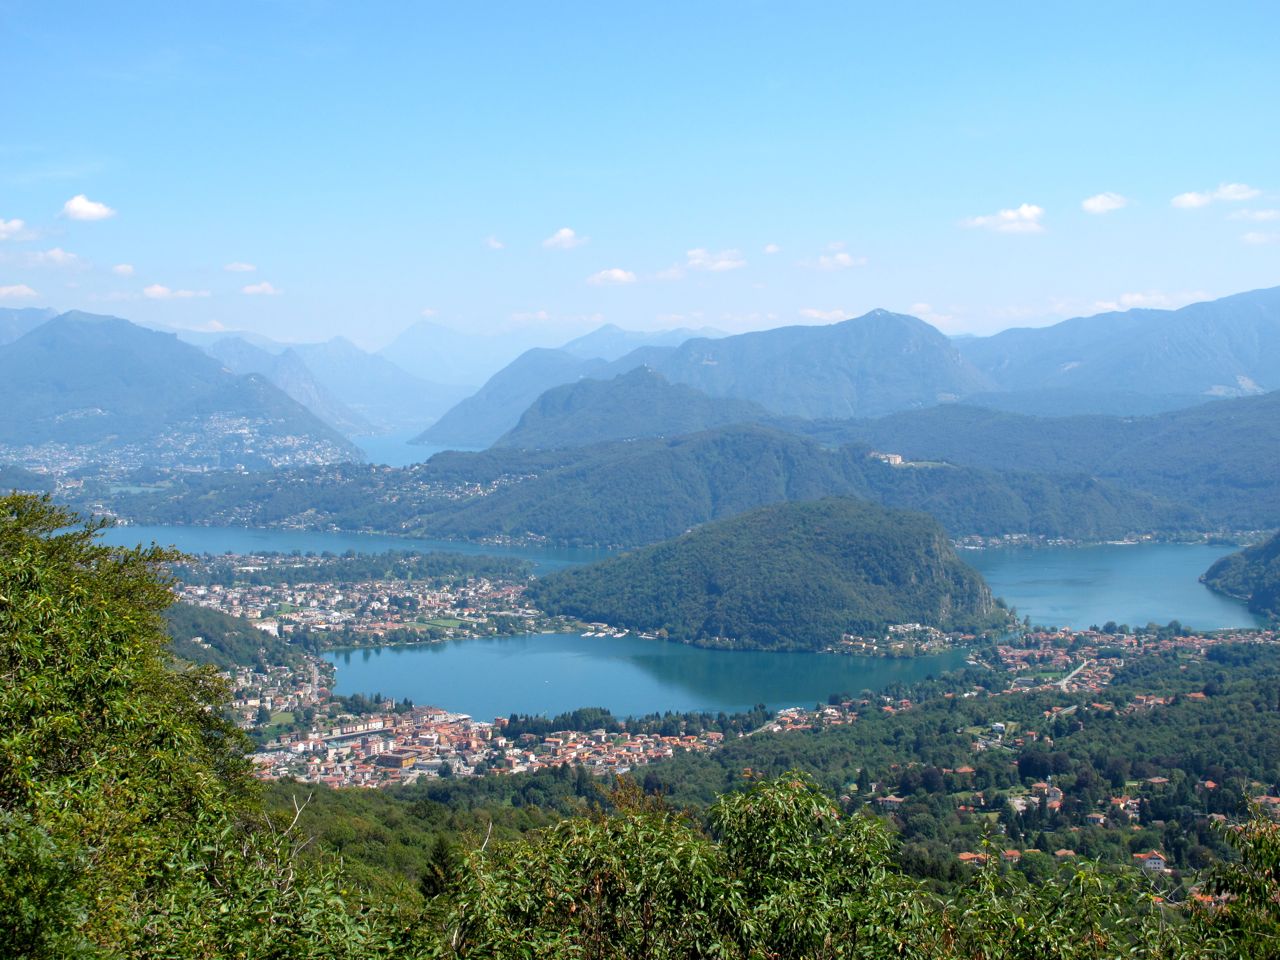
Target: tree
128	823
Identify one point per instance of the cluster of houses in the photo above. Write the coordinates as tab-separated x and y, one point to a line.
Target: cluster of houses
369	607
1088	659
399	747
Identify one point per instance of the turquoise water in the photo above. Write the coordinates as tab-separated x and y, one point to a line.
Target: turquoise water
553	673
250	540
1135	584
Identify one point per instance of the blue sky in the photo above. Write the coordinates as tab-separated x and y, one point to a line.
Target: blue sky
737	165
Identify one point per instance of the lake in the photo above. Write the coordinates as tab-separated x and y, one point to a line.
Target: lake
1058	586
553	673
1135	584
395	450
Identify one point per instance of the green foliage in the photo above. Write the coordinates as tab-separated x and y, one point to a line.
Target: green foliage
635	493
124	797
796	576
1252	574
232	641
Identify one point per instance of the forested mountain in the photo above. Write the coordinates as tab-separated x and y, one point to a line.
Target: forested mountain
793	576
82	379
15	321
482	418
874	364
1252	574
290	373
1225	347
641	403
635	493
639	492
1220	458
868	366
609	342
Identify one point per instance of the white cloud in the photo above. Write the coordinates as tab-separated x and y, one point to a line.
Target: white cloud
429	311
839	261
10	228
564	239
1257	216
1236	191
613	275
263	289
81	207
238	266
826	316
123	269
1257	237
1224	191
158	291
54	257
1021	219
1103	203
701	259
1151	300
493	243
772	248
17	291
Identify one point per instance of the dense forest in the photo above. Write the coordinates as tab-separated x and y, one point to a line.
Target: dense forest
132	829
788	576
1217	458
1252	574
634	493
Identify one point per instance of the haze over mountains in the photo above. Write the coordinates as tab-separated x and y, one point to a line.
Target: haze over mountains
100	386
94	381
1139	362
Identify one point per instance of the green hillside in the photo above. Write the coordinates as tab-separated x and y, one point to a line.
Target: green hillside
84	379
641	403
1219	458
1252	574
795	576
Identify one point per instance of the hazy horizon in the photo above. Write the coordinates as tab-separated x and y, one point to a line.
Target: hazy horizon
533	174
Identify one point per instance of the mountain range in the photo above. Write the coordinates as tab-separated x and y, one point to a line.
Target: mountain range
106	384
288	371
1221	348
1135	363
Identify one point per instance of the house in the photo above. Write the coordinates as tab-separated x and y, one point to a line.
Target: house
1152	862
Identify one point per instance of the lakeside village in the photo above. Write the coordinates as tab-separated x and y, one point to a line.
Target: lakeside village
401	743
